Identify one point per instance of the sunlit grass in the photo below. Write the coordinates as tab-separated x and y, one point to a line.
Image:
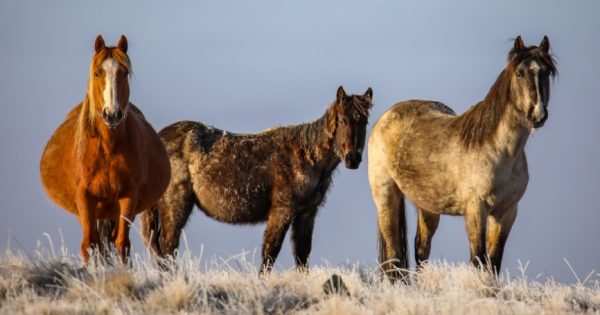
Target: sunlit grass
53	282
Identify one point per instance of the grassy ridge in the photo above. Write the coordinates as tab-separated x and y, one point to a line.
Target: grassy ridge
56	284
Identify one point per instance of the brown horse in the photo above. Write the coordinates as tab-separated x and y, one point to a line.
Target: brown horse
472	165
105	161
280	176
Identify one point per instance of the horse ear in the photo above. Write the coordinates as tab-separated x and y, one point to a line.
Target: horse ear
545	44
99	45
122	45
341	94
369	93
519	45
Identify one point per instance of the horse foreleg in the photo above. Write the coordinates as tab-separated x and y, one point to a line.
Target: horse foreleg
277	225
499	225
87	219
127	206
302	230
427	225
476	215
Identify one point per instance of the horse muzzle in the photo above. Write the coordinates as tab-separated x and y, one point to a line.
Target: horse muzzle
538	122
352	160
112	120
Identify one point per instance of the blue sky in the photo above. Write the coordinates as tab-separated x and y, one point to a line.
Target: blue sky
247	66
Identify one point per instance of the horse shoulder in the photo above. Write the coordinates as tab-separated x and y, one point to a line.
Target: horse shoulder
519	178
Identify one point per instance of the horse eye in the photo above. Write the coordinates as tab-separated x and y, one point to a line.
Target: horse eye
519	73
97	73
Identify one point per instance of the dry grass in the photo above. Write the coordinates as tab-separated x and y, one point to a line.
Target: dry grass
56	284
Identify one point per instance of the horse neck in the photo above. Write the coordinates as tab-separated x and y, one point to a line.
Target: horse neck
495	122
317	143
512	133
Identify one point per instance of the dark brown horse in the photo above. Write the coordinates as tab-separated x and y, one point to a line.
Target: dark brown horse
105	161
280	176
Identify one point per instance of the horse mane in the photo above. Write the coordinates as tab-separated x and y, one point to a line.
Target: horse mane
311	139
362	107
479	123
314	139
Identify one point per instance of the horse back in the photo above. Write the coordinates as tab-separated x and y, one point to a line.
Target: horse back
402	118
231	174
421	108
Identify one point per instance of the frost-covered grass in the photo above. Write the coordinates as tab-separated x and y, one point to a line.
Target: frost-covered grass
56	284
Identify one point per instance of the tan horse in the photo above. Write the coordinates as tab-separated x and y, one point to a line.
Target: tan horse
106	161
472	165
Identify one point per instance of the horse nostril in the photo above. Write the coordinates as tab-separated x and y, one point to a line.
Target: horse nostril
119	114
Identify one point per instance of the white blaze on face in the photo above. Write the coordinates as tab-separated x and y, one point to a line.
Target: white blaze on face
538	109
111	102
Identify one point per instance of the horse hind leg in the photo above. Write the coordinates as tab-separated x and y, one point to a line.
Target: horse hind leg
162	223
391	217
174	210
427	225
499	225
150	228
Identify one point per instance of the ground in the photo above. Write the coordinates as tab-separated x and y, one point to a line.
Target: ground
51	283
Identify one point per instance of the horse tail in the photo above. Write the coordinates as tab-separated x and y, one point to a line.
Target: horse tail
151	230
106	230
382	257
403	260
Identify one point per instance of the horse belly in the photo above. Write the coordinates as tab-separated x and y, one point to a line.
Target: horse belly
57	168
228	204
430	185
439	200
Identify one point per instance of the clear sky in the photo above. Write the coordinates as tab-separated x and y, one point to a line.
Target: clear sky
249	65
